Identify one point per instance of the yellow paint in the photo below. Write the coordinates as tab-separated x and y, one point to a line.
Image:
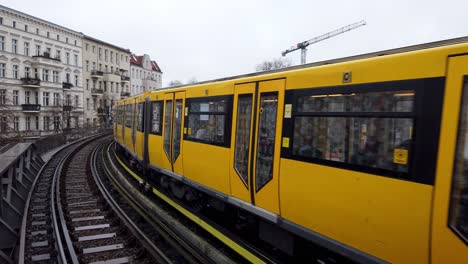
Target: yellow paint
285	142
446	246
384	217
400	156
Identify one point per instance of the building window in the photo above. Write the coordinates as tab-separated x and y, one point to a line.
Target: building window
75	42
37	122
94	103
100	66
28	123
94	83
87	84
100	53
45	75
56	122
87	103
26	48
67	58
105	55
94	49
48	50
27	97
66	40
1	20
76	60
77	100
15	97
26	72
76	80
67	78
15	72
14	45
36	97
58	37
58	55
14	24
38	50
2	96
26	28
56	76
48	34
2	43
87	65
2	70
46	124
45	98
86	46
16	123
68	100
37	31
56	99
94	66
112	87
112	57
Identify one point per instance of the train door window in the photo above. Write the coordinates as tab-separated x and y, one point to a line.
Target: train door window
458	217
266	139
140	125
167	128
241	155
177	128
365	130
156	117
128	115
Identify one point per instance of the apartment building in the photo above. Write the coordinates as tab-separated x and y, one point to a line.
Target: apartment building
40	76
106	78
145	74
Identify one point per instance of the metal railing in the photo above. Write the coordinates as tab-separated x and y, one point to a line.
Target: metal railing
31	107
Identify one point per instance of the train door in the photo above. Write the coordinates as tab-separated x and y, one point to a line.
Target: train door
450	213
257	144
172	131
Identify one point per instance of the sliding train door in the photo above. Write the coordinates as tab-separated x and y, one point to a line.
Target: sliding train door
172	131
450	212
257	143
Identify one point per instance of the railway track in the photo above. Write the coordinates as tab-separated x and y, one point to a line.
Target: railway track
70	220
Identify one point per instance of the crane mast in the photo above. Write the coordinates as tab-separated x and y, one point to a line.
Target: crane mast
303	45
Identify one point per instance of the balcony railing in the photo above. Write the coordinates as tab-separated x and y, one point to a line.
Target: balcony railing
95	91
125	78
100	110
97	74
67	108
31	82
124	94
47	56
31	107
67	85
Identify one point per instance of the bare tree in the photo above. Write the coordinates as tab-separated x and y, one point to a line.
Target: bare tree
6	116
274	64
175	83
192	80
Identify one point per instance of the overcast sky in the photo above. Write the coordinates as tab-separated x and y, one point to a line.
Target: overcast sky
208	39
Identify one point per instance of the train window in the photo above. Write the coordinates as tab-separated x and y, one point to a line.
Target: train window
207	118
177	128
241	155
360	129
167	128
266	139
458	218
128	115
140	116
156	118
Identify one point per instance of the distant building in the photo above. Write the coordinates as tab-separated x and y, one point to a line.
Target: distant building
106	78
40	76
145	74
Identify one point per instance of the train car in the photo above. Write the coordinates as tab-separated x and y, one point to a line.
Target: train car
363	156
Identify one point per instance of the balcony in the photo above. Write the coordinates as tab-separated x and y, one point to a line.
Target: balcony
125	94
31	108
124	79
67	85
101	111
96	92
67	108
31	82
46	60
97	74
111	77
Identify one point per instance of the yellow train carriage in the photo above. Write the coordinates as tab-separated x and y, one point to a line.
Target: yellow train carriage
364	156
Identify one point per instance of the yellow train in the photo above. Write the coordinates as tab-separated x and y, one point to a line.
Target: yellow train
364	156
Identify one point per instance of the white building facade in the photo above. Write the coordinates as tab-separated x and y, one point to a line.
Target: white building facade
145	74
106	78
41	88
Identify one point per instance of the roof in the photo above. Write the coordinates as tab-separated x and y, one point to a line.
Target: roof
106	43
138	61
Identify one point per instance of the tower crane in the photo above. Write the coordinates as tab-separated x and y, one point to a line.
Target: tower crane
303	45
